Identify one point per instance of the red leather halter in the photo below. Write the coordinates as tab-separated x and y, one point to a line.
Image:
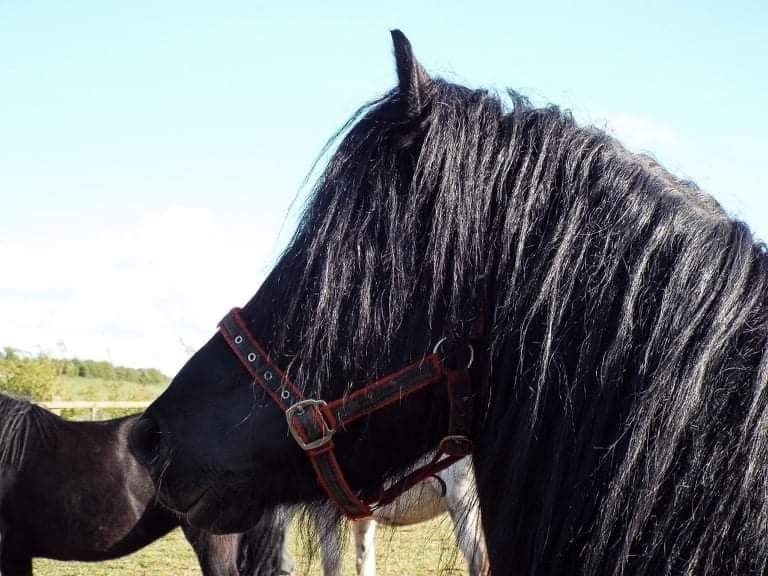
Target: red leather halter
313	423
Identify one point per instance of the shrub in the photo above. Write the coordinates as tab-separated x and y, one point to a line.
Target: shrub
32	378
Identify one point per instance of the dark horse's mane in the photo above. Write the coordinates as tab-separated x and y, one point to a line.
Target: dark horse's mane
21	423
626	326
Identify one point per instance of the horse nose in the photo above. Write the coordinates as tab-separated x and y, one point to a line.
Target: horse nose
146	440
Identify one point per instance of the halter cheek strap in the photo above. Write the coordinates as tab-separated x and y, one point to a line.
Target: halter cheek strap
313	423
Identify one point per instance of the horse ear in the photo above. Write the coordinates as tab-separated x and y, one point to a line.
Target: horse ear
414	83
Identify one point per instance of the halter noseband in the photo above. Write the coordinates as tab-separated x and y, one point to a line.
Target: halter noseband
313	423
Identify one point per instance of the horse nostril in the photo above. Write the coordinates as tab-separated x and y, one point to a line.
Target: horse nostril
145	440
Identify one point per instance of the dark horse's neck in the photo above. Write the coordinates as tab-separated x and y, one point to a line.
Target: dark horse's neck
22	423
628	368
626	329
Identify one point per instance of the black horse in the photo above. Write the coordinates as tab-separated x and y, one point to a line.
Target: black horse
74	491
620	328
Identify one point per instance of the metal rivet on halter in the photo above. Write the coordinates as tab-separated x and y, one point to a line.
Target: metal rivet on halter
238	339
267	375
285	394
251	357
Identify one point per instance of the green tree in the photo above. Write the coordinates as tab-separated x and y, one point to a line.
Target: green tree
33	378
69	368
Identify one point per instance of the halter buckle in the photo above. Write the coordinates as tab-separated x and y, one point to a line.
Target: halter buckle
298	409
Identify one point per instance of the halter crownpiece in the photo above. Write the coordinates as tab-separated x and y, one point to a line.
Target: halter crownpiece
313	423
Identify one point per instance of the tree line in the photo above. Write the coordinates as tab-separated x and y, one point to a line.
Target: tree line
35	377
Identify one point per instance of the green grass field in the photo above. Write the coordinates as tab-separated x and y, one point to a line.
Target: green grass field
421	550
75	388
97	389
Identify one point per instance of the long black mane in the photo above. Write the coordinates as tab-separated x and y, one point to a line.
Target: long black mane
21	424
626	325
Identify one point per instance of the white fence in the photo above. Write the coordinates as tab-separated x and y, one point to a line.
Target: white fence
56	406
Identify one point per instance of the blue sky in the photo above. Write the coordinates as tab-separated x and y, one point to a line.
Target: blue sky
148	149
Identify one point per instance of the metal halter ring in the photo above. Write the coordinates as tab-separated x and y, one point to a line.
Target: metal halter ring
469	346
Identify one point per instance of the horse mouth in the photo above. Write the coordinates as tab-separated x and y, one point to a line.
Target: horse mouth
189	507
221	515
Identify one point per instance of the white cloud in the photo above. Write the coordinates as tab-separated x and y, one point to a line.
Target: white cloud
642	134
646	135
140	294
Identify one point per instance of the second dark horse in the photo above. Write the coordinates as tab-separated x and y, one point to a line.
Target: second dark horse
74	491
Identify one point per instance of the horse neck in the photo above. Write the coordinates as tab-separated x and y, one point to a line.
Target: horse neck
607	398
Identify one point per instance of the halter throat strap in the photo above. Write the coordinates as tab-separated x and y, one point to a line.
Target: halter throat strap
313	423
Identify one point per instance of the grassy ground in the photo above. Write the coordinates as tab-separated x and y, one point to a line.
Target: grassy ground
97	389
421	550
75	388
